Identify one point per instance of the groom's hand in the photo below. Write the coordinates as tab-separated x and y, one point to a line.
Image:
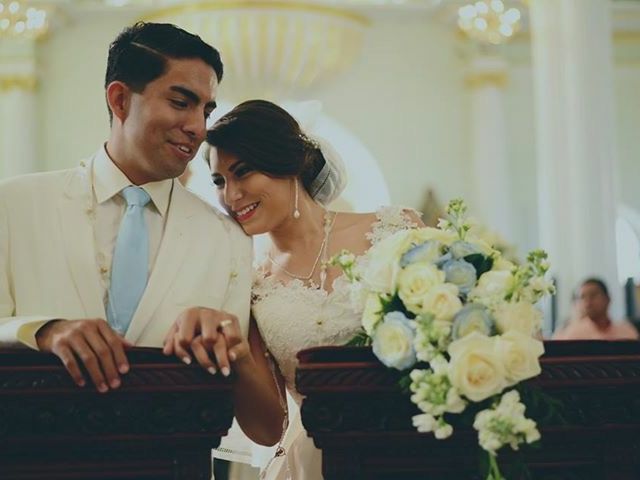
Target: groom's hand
94	343
213	337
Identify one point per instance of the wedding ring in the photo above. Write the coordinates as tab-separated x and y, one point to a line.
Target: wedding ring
225	323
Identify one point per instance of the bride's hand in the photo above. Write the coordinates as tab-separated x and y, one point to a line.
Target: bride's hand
212	336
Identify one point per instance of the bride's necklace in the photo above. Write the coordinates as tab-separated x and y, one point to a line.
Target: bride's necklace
328	225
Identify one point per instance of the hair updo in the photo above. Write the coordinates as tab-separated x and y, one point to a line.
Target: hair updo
268	139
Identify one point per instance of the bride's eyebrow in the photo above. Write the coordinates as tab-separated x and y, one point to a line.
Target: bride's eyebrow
233	167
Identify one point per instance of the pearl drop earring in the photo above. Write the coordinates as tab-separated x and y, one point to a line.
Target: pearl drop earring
296	212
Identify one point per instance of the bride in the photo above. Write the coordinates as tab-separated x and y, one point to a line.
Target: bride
274	179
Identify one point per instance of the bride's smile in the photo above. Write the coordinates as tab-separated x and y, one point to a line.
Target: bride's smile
244	214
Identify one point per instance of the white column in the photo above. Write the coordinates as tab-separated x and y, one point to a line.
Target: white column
18	121
573	71
487	79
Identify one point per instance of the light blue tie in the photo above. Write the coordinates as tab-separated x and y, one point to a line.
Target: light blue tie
130	264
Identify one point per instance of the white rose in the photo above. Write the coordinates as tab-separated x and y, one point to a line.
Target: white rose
520	316
442	301
393	246
475	368
380	275
519	354
421	235
492	285
372	313
383	262
393	342
502	264
414	283
484	247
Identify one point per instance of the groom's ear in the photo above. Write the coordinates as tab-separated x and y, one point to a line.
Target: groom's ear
119	99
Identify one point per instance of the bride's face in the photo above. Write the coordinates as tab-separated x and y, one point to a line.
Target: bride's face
258	202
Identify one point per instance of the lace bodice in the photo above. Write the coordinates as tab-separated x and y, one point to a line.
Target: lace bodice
294	316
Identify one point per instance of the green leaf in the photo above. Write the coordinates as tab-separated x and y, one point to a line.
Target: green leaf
542	407
395	305
405	384
481	263
361	339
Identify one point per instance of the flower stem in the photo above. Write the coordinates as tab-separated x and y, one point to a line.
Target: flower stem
494	469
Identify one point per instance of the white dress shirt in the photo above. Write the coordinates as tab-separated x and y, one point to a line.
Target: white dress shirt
108	181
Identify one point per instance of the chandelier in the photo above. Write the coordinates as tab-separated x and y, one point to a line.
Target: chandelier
18	19
488	21
273	48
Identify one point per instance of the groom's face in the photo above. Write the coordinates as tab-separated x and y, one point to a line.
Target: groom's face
165	124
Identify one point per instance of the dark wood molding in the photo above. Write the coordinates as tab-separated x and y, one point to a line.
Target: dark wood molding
356	413
160	424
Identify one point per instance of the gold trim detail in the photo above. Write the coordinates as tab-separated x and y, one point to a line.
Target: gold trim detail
618	37
27	83
493	79
257	4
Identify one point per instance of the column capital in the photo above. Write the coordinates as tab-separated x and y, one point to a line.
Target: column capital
18	70
27	83
487	71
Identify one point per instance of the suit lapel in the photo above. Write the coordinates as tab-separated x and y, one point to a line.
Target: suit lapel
175	244
75	212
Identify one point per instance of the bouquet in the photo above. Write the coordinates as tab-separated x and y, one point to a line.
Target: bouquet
444	306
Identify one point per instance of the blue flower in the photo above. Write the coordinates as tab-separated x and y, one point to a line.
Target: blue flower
428	251
460	273
473	318
461	249
393	341
443	259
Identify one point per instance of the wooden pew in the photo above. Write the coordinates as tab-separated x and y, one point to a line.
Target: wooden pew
160	424
356	414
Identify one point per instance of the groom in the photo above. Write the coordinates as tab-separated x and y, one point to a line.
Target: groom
111	253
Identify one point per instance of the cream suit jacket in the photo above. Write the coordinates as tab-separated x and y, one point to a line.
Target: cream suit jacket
48	267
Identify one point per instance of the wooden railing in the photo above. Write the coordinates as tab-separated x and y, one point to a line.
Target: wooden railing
357	415
160	424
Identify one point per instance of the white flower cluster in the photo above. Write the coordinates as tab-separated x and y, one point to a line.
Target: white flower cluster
434	395
432	337
445	296
505	425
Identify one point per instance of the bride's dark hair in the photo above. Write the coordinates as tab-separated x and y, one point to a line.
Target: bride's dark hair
264	136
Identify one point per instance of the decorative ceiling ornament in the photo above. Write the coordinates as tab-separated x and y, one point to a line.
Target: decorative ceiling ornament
19	19
489	21
273	49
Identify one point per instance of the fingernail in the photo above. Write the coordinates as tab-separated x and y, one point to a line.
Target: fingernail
81	383
212	370
115	383
232	356
186	360
226	371
123	368
102	388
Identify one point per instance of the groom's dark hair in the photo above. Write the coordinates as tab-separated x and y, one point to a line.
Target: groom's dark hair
139	54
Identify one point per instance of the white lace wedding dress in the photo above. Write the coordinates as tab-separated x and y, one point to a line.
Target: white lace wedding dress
294	317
